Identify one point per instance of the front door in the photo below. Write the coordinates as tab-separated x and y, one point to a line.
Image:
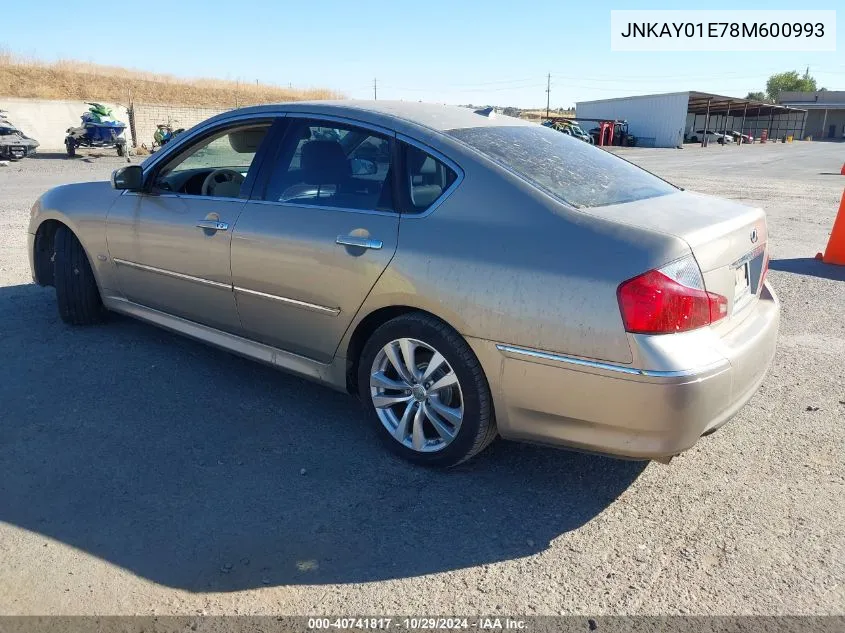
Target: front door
307	252
171	242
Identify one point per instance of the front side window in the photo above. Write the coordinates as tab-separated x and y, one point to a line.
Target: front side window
216	165
427	178
334	165
565	167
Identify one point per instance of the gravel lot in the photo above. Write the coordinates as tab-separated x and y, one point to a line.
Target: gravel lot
145	473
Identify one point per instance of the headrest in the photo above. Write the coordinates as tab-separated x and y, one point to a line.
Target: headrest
428	166
425	195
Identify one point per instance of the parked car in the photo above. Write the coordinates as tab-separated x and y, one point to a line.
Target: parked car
465	276
713	137
14	144
570	127
736	136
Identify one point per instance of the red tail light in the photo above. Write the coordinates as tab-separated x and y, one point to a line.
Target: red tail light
670	299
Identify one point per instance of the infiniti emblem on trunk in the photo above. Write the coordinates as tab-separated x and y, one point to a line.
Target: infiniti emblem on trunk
754	236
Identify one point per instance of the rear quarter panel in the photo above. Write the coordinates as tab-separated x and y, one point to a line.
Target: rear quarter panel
503	262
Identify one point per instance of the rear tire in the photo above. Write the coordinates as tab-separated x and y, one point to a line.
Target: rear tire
468	392
77	294
121	150
70	146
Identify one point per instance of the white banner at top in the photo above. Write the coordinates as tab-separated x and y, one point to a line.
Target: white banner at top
723	30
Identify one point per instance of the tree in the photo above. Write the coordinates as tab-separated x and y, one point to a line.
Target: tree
788	82
756	96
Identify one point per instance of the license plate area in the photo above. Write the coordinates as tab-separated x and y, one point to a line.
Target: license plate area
742	283
17	151
747	271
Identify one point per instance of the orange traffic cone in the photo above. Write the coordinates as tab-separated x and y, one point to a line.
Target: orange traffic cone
835	251
843	169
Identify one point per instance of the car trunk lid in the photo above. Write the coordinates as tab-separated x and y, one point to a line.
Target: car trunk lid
727	239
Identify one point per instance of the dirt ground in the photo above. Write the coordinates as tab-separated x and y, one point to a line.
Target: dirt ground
143	473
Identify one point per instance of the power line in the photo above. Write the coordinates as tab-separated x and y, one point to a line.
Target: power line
460	89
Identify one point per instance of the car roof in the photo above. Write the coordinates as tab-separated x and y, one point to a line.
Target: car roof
430	115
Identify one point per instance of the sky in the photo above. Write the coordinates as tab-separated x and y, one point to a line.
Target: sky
445	51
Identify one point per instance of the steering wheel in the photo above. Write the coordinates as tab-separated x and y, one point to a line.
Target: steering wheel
223	182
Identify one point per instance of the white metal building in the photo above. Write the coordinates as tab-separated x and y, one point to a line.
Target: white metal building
665	120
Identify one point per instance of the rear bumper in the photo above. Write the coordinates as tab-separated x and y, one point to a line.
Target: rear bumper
619	410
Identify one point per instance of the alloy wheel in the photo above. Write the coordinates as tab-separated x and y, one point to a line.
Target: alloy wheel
416	395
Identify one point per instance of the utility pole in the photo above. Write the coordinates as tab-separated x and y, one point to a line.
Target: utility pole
375	90
548	92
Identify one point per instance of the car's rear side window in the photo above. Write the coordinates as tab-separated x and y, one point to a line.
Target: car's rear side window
565	167
427	178
327	164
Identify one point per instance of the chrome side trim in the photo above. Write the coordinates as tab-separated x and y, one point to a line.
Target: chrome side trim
752	254
170	273
322	207
459	172
184	196
313	307
510	350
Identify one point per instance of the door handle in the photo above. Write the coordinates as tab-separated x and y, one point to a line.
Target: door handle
213	225
360	242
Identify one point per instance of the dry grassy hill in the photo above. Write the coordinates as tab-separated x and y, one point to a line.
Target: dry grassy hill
83	81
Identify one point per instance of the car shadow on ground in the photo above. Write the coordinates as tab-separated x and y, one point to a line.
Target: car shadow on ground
809	266
81	156
200	470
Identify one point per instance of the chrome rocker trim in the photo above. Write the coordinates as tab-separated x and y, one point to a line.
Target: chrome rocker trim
313	307
170	273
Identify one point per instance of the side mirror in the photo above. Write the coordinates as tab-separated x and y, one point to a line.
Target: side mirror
363	167
130	178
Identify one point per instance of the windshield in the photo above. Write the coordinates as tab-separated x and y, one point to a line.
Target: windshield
568	169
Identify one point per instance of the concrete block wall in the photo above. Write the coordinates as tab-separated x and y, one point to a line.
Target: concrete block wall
148	116
47	121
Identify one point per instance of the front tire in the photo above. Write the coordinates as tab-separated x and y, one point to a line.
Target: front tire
426	391
77	294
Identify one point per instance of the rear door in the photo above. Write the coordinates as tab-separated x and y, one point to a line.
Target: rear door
322	229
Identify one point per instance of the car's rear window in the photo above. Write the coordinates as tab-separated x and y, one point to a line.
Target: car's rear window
565	167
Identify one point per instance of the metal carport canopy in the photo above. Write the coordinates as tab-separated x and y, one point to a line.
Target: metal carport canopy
720	104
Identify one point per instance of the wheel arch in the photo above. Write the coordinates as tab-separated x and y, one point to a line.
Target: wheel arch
78	208
364	329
